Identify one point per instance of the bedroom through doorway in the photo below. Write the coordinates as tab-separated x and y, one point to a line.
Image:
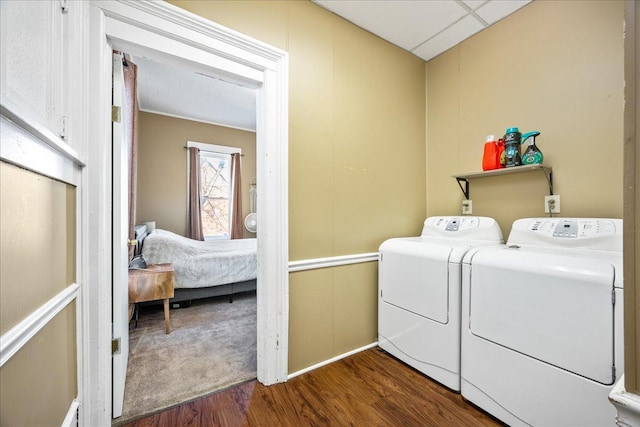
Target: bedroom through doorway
212	340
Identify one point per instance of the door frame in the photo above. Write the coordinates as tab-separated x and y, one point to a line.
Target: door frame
166	32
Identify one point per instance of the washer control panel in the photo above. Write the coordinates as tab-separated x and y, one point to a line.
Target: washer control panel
588	233
572	228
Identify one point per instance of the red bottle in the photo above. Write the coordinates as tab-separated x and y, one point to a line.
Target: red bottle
491	155
501	159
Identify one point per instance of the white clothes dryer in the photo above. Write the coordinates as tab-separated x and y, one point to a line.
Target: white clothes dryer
542	336
419	293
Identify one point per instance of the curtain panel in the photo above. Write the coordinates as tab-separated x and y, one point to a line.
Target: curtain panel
194	220
236	219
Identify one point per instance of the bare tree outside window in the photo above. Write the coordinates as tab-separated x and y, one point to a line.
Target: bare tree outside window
215	194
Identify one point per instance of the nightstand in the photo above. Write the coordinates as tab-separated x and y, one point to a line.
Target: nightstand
153	283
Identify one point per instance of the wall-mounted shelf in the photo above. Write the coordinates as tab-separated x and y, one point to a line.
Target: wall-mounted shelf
465	177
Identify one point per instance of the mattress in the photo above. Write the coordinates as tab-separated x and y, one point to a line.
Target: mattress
200	264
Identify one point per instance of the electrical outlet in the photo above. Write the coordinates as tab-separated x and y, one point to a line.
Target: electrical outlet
552	203
467	207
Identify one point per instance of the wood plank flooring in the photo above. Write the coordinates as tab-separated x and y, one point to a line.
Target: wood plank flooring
370	388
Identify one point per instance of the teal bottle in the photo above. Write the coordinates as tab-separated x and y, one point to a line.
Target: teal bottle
512	141
532	155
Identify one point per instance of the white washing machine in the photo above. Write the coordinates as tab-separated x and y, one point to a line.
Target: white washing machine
542	336
419	293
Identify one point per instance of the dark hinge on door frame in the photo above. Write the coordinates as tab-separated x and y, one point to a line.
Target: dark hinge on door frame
116	114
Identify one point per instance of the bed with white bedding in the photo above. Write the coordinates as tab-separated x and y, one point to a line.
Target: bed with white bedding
204	268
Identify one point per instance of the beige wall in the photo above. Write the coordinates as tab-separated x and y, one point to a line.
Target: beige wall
162	166
356	160
553	66
37	261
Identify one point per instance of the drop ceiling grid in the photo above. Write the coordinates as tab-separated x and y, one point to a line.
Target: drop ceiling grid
424	27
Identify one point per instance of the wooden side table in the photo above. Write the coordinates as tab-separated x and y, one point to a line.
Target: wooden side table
153	283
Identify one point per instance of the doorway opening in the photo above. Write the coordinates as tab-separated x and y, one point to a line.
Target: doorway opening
174	36
212	342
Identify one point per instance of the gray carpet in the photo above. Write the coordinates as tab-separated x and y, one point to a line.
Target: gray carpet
212	345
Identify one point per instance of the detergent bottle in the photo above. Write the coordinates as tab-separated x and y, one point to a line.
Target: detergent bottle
532	155
491	155
502	160
512	140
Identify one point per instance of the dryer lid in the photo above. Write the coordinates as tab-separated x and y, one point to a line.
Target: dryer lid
415	277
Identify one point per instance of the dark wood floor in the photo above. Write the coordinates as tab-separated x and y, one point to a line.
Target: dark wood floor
370	388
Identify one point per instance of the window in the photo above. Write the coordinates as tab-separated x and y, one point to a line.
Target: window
215	194
216	190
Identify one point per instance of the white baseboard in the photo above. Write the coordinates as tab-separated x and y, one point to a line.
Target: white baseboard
333	359
71	420
627	405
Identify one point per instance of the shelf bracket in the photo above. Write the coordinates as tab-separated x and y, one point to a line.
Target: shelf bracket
548	173
465	189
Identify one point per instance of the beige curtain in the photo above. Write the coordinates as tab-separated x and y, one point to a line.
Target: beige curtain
130	119
194	220
236	219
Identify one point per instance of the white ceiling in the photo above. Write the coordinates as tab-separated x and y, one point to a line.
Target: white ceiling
169	90
424	27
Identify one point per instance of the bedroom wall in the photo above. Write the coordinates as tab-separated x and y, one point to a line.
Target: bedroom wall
556	67
356	161
162	166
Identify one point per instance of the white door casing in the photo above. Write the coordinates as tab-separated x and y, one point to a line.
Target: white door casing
120	223
165	32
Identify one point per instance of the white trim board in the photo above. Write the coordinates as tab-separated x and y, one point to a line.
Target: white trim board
205	146
19	147
627	405
333	359
336	261
71	420
15	338
13	112
167	33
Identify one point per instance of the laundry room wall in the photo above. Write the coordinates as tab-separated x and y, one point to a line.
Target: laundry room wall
162	166
553	66
38	248
356	161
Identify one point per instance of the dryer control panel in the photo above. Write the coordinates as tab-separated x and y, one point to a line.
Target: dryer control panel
592	232
462	227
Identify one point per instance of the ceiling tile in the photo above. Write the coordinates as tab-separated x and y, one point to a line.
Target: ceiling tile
403	23
450	37
494	11
474	4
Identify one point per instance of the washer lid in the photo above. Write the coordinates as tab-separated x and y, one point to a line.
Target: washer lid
554	308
